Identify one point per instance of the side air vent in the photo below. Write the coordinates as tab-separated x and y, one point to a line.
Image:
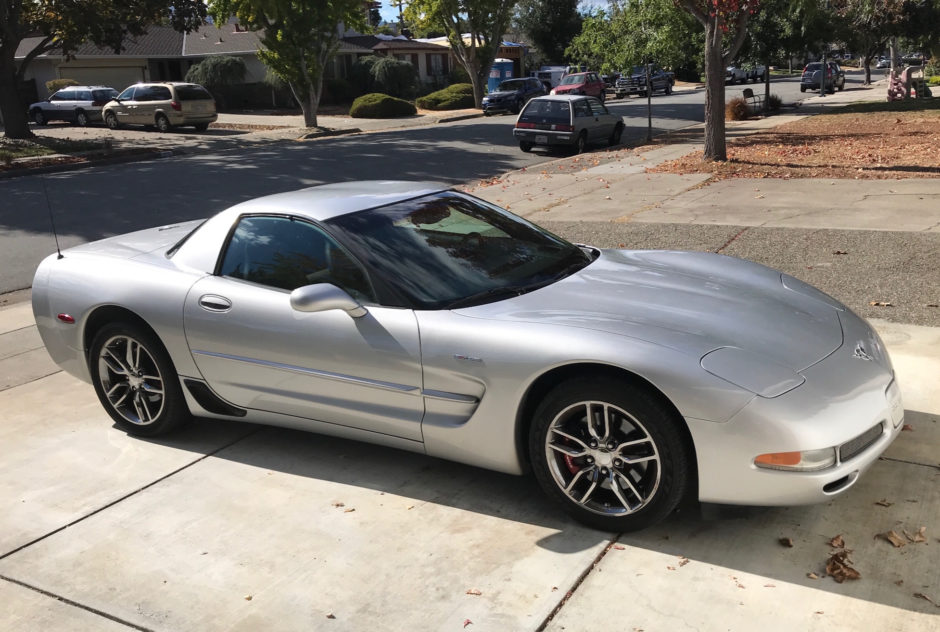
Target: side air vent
212	402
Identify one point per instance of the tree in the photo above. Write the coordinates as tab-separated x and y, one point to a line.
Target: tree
549	24
217	73
300	37
64	26
484	21
725	23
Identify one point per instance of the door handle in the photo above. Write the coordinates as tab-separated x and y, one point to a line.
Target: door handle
214	303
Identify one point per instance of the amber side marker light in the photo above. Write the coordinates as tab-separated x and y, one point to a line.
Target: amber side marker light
807	461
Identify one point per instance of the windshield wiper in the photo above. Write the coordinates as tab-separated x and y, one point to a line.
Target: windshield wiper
504	291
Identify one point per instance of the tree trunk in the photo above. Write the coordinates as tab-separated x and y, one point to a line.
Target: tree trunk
478	81
766	79
15	119
715	149
867	71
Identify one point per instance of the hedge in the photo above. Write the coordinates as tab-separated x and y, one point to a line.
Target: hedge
456	97
377	105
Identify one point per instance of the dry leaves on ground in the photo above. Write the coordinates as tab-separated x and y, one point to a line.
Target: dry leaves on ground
853	145
839	567
893	538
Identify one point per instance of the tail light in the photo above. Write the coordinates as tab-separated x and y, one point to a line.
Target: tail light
176	106
521	125
562	128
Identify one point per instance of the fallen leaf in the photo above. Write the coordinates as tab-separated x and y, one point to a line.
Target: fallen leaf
339	504
467	622
837	542
893	538
880	304
932	305
683	560
839	567
839	252
787	542
926	598
330	615
620	547
920	536
907	428
671	568
349	510
899	582
883	503
770	585
474	591
248	597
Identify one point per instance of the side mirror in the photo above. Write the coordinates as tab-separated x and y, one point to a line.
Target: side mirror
321	297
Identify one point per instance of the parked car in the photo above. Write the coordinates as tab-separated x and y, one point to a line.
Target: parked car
810	80
581	83
634	82
164	105
883	62
735	74
566	120
80	105
756	73
511	94
421	318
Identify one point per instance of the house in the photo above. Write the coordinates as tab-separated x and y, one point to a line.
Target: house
432	61
512	51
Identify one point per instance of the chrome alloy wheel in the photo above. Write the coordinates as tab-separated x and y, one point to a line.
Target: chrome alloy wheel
131	380
603	458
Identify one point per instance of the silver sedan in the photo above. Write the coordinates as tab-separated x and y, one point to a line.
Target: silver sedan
421	318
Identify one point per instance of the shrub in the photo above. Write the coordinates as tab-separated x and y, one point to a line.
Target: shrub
455	97
457	74
360	74
934	80
395	77
57	84
217	73
377	105
774	103
736	109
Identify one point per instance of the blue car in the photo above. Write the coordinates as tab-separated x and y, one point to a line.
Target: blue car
512	94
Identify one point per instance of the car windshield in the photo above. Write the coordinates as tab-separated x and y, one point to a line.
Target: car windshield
573	79
449	250
813	66
638	70
512	84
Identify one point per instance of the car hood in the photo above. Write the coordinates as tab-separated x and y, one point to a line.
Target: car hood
569	86
499	94
689	301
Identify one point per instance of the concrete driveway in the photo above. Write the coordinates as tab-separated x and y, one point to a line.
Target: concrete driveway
242	527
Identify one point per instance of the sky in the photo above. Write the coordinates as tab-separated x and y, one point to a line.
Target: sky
390	13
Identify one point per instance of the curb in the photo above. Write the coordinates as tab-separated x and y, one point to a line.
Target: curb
462	117
74	166
328	133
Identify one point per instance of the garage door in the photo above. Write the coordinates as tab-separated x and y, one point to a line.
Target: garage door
117	78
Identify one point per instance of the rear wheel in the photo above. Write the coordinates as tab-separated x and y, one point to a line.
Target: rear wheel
615	135
81	119
611	453
802	88
39	117
201	127
525	146
668	89
135	380
603	96
580	144
162	123
516	107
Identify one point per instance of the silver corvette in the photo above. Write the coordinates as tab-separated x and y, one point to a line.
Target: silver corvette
421	318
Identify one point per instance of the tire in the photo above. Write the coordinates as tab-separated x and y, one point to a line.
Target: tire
603	96
525	146
580	466
201	127
81	119
39	117
668	89
580	143
162	123
110	119
841	86
516	107
802	88
615	135
135	380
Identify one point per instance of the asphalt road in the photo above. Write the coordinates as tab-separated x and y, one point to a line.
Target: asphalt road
100	201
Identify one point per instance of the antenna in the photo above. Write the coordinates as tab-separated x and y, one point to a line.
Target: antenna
51	217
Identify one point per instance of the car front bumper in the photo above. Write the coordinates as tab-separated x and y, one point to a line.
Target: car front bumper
844	397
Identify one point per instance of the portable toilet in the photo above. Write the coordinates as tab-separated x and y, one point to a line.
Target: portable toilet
501	69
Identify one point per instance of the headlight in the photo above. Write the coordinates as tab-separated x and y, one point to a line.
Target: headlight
553	91
806	461
751	371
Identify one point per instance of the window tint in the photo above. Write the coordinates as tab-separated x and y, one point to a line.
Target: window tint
545	111
192	93
128	94
104	95
287	254
64	95
581	108
160	93
84	95
511	84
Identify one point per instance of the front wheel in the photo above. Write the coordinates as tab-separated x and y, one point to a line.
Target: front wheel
135	380
668	89
603	96
163	123
110	119
525	146
802	88
615	135
39	117
611	453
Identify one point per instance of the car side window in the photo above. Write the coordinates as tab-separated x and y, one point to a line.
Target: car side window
598	108
286	253
127	95
64	95
581	108
160	93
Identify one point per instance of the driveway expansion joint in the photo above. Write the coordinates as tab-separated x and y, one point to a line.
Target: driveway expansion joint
75	604
577	583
